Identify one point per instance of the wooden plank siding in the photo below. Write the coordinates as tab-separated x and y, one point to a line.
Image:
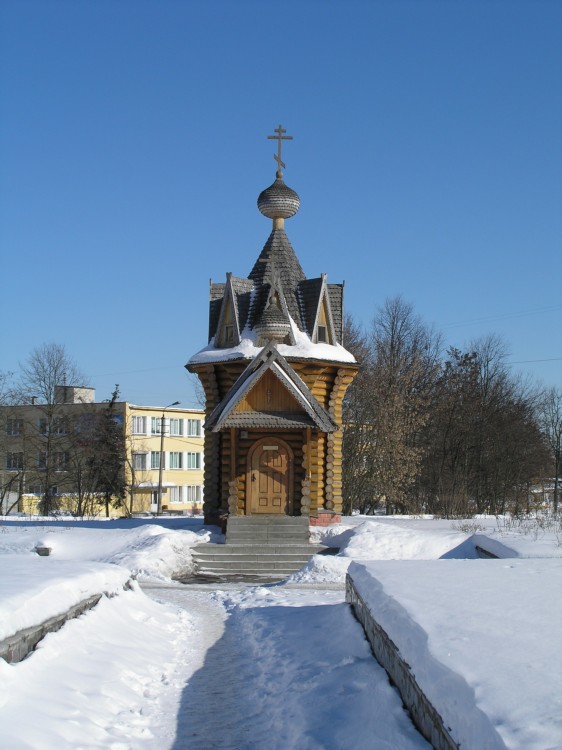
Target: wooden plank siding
269	394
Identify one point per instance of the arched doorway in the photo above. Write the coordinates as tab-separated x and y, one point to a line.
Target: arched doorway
269	478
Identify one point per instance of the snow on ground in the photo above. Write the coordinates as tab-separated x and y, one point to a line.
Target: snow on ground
35	589
145	548
369	539
278	666
101	681
287	670
482	639
424	538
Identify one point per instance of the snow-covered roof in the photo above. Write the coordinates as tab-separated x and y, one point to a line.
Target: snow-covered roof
304	348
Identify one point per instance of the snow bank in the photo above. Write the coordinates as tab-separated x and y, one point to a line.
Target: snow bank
373	540
83	562
148	550
33	588
379	540
322	569
105	680
476	636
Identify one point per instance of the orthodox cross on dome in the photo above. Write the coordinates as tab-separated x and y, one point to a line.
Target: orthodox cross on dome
279	138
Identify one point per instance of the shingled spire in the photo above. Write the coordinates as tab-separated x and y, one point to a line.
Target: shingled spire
276	301
278	260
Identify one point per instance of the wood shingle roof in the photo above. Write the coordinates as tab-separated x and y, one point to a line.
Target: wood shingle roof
276	258
312	305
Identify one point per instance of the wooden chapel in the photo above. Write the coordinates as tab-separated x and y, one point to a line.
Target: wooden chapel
275	373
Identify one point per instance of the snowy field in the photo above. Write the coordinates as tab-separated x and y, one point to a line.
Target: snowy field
163	666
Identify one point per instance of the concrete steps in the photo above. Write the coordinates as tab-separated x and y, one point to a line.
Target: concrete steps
267	529
257	546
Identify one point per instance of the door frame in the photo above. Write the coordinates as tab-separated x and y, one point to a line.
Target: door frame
290	488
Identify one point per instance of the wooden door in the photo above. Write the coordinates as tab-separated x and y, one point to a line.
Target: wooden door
269	475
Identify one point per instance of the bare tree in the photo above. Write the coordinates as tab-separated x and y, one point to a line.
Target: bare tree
47	367
406	360
198	390
551	424
387	407
13	460
359	488
452	437
484	445
6	388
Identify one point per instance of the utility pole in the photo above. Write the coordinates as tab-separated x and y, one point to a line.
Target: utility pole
161	463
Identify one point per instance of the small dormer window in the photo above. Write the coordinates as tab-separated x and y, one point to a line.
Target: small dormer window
228	334
322	335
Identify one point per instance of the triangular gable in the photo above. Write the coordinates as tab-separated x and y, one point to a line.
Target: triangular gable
233	314
316	301
324	323
269	360
216	294
242	289
228	328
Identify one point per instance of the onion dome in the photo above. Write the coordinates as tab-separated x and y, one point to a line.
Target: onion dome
278	201
273	324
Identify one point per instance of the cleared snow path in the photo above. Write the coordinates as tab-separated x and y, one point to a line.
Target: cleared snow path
281	668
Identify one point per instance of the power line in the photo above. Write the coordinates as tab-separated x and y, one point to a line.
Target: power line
133	372
528	361
504	316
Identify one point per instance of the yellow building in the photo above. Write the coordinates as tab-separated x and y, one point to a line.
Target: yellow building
180	484
44	448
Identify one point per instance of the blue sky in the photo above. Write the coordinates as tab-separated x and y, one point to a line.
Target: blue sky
427	155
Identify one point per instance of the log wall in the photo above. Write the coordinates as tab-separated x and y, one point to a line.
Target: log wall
317	468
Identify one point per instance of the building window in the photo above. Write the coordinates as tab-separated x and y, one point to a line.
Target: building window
139	461
14	427
14	460
322	335
60	426
42	459
176	427
139	425
155	460
228	334
60	460
194	428
43	426
156	425
193	493
84	424
194	460
175	460
175	494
